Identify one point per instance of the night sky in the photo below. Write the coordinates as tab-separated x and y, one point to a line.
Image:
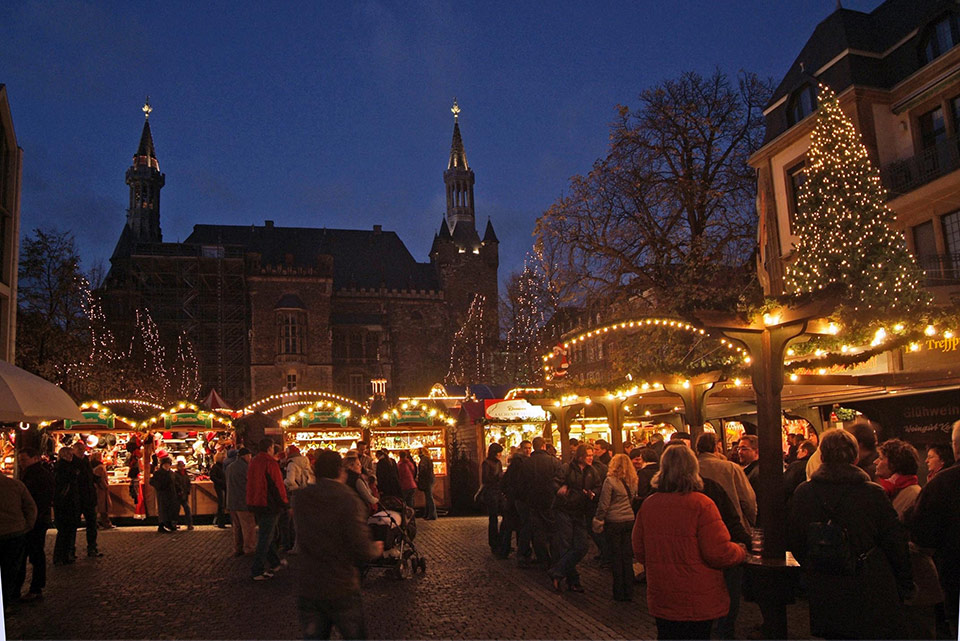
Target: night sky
337	114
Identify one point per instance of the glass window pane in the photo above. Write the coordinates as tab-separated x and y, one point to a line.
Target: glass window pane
932	129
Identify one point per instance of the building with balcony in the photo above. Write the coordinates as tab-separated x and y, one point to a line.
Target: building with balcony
896	73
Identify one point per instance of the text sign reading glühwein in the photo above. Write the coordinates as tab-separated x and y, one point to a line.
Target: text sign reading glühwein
921	419
185	420
411	417
92	421
323	417
512	410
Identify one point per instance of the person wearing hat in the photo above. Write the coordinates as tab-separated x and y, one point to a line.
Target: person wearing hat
168	504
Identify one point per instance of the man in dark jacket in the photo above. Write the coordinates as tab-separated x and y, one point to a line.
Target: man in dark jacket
796	472
66	508
168	503
861	603
936	525
425	481
87	487
241	518
540	485
334	542
266	498
40	484
388	476
576	502
649	464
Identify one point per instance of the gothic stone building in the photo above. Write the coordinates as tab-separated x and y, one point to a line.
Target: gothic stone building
271	308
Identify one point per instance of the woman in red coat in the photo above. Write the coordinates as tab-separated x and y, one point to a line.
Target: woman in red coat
683	544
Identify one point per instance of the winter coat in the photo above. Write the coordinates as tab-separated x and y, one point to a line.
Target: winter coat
236	474
388	478
425	474
683	544
728	511
168	502
218	477
491	471
182	482
540	480
936	525
615	502
266	492
40	482
66	498
793	476
18	512
583	489
734	481
407	470
86	483
299	474
848	606
644	476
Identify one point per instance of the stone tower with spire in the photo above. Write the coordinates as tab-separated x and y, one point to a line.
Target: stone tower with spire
466	264
145	181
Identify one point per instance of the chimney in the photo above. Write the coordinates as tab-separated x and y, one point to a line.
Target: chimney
377	229
268	224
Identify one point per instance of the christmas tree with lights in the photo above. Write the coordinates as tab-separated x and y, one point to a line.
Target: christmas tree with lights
847	240
467	354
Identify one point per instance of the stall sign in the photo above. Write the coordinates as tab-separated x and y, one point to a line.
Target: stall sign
178	422
323	417
513	410
91	420
407	417
921	419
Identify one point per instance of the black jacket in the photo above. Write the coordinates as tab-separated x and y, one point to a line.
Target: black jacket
644	476
793	476
41	484
66	498
864	606
540	480
388	478
218	477
728	511
86	483
936	524
425	474
583	489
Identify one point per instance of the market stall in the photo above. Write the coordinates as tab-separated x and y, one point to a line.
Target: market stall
510	421
116	438
321	426
409	427
186	433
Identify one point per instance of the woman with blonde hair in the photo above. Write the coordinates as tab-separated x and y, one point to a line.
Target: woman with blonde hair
680	538
615	518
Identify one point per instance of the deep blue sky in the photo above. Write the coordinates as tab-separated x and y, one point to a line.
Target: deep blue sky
337	114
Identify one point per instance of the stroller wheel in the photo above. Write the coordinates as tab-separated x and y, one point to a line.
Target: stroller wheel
422	565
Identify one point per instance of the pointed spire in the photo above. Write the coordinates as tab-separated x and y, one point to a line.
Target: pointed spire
444	230
489	236
458	157
146	154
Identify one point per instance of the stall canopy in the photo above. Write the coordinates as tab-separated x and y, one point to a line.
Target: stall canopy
214	402
29	398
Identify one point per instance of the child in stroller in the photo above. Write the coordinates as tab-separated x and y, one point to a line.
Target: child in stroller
394	524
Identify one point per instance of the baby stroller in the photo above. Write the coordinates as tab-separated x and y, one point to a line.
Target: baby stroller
395	525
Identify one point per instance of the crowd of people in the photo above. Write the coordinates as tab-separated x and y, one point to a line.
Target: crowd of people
879	553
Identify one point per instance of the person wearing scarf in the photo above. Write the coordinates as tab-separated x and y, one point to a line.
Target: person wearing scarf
897	467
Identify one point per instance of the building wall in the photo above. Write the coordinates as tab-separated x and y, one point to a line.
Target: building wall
312	367
11	157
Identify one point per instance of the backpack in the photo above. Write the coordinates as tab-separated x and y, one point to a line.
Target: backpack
828	545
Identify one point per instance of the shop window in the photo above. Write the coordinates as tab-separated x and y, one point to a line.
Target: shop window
802	104
940	38
291	329
932	128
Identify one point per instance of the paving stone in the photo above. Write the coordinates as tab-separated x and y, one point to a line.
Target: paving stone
188	585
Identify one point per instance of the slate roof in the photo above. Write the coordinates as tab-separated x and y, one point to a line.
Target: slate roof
876	33
361	258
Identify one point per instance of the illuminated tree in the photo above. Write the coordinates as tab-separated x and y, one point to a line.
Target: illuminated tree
847	241
467	354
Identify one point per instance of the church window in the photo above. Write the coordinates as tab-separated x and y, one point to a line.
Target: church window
291	326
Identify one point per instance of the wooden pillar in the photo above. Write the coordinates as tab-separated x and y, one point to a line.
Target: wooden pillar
694	396
614	410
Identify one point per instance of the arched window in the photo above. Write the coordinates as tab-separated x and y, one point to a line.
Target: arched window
939	38
802	104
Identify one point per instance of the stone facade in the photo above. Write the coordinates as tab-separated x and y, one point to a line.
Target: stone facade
318	309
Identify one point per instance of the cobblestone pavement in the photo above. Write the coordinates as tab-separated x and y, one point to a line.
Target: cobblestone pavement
188	586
